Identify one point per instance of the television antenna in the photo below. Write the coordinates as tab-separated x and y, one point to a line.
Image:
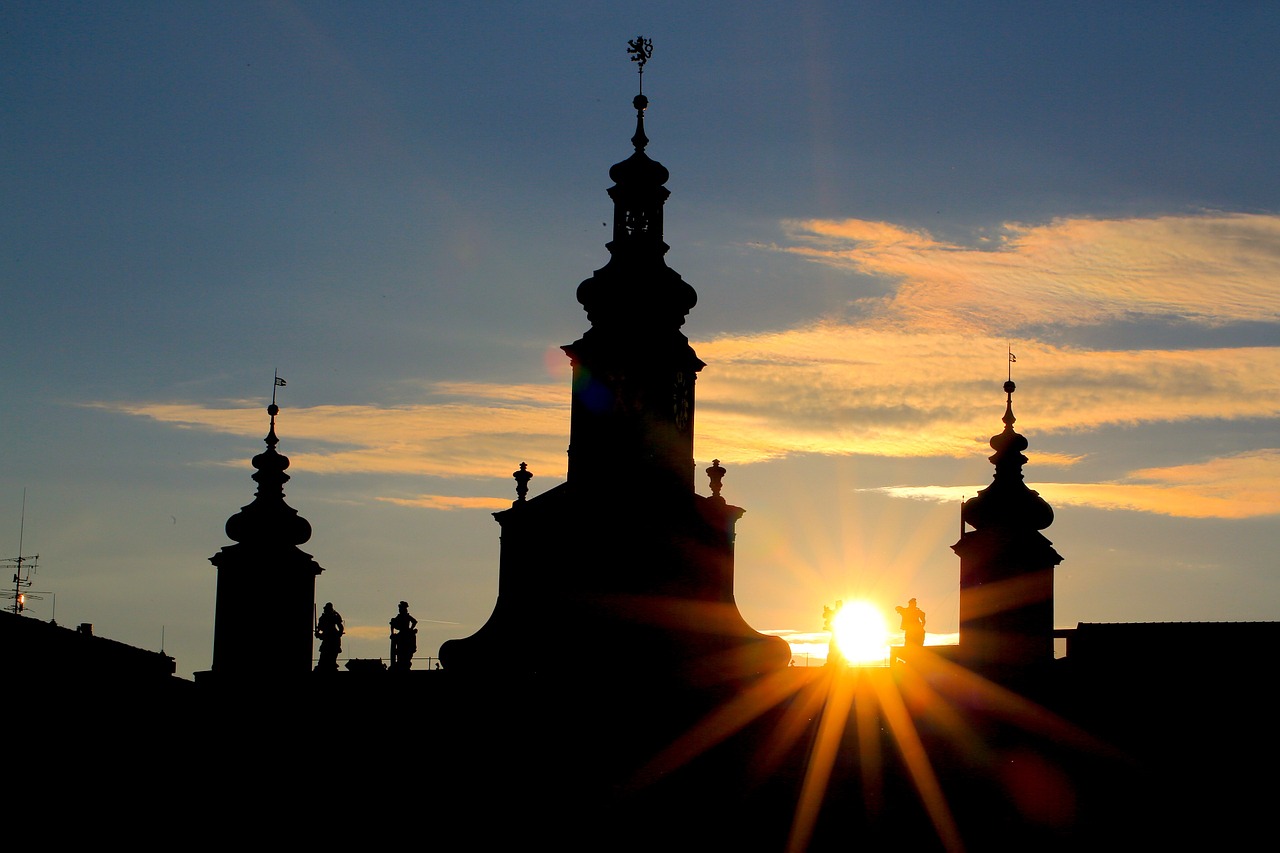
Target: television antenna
23	566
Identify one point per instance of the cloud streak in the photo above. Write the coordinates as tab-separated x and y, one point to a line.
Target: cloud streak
450	502
446	438
1245	485
915	373
1210	269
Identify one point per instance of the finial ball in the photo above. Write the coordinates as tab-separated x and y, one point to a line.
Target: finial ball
273	410
640	102
1009	387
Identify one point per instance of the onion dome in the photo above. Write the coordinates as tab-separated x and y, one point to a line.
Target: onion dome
268	519
1008	502
638	189
636	289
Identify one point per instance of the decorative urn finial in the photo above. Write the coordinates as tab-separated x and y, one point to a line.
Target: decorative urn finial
716	473
522	478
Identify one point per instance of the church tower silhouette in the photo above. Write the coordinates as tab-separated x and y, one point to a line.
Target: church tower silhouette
1006	568
623	568
266	584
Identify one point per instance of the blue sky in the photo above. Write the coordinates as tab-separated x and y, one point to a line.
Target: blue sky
392	204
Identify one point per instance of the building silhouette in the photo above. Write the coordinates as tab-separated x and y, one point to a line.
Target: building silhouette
1006	569
265	572
625	550
49	655
685	730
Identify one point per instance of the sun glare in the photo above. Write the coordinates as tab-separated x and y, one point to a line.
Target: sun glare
861	633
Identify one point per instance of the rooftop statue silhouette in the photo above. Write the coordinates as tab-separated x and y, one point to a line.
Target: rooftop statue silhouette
912	623
329	631
625	551
404	639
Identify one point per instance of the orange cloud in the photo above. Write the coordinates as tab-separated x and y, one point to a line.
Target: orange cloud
1210	269
826	389
1246	485
366	632
449	502
916	373
442	439
840	389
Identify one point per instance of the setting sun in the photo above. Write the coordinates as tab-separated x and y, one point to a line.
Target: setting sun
861	633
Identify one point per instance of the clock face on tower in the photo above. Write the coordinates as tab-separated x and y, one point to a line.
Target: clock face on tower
682	400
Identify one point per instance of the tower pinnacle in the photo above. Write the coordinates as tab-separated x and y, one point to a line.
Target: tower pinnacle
1006	566
265	571
1008	501
634	370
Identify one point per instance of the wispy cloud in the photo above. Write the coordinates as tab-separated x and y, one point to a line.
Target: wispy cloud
450	502
1211	268
915	373
843	389
445	438
1246	485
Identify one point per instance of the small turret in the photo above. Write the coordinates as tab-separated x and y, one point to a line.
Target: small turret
1008	501
1006	568
263	624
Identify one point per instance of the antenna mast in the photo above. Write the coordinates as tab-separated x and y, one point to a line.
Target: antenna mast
22	565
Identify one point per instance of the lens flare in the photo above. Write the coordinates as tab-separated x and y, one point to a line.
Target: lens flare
861	633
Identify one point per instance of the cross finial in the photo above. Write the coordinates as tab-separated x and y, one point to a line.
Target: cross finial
641	49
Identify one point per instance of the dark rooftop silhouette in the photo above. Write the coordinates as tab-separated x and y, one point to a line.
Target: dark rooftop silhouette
685	730
625	551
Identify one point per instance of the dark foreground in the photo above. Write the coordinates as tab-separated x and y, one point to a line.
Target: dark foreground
925	757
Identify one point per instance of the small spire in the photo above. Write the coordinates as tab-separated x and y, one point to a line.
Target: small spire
641	49
271	438
1008	445
522	478
1008	500
639	139
268	517
274	410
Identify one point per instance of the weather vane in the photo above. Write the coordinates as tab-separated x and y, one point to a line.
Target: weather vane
641	49
278	383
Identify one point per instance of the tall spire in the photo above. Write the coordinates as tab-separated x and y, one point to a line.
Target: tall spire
625	549
636	289
638	194
268	518
265	572
633	369
1006	568
1008	502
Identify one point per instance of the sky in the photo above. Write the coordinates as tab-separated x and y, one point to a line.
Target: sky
392	205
